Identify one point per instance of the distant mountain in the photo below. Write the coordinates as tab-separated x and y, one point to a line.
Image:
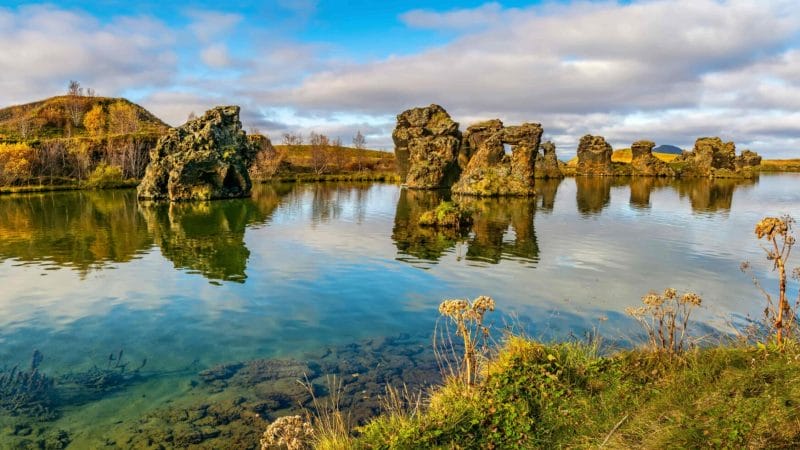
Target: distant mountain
56	117
666	148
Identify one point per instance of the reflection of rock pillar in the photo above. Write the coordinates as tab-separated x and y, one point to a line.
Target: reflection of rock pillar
522	214
546	190
593	194
412	239
207	236
640	191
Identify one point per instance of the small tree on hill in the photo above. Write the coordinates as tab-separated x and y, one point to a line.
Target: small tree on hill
320	152
359	141
292	138
75	103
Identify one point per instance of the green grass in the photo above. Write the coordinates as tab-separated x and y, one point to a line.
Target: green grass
568	395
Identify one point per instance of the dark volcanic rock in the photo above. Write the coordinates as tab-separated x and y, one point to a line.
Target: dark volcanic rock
547	162
206	158
427	144
643	163
594	156
492	172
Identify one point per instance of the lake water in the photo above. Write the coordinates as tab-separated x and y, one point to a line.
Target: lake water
323	274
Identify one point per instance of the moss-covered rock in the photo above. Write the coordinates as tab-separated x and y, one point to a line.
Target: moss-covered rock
207	158
594	157
447	215
643	163
493	172
547	164
427	143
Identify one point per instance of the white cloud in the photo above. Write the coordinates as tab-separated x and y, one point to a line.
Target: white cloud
567	65
216	56
210	25
458	19
43	48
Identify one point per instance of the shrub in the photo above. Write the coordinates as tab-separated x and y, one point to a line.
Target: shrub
781	319
665	318
16	161
104	176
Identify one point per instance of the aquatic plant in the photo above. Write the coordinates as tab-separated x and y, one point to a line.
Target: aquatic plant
103	379
468	320
665	319
781	318
28	392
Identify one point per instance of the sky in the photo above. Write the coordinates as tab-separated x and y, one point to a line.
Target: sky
665	70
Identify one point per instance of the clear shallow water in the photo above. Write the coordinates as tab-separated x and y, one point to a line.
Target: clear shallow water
297	268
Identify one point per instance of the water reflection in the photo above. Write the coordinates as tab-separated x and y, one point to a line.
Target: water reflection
593	194
714	195
413	241
208	237
546	190
502	229
642	187
82	230
492	217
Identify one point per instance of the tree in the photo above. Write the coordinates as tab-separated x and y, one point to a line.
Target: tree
122	118
74	89
191	117
292	138
25	127
75	103
15	162
95	121
90	92
320	152
359	141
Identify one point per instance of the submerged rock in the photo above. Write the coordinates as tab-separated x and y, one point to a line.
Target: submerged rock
643	163
492	172
206	158
547	162
594	156
427	144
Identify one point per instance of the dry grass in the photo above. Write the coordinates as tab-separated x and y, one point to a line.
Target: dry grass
780	165
623	155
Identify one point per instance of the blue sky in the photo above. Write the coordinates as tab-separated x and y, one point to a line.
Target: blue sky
666	70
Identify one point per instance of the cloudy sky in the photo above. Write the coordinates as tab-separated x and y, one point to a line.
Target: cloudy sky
666	70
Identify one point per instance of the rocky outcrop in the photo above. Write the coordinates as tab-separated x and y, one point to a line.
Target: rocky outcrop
747	159
713	158
643	163
491	171
547	162
427	144
206	158
594	157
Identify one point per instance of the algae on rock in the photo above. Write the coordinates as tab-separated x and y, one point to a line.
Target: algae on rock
206	158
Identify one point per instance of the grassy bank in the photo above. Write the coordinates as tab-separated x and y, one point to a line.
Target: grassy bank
71	186
312	177
570	396
780	165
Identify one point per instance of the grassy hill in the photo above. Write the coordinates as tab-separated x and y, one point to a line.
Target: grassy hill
64	117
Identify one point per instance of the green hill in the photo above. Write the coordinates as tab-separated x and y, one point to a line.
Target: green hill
66	116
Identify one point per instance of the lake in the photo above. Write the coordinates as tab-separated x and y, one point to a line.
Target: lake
142	315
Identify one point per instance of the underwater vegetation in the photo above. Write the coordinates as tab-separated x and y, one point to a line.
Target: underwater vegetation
27	392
